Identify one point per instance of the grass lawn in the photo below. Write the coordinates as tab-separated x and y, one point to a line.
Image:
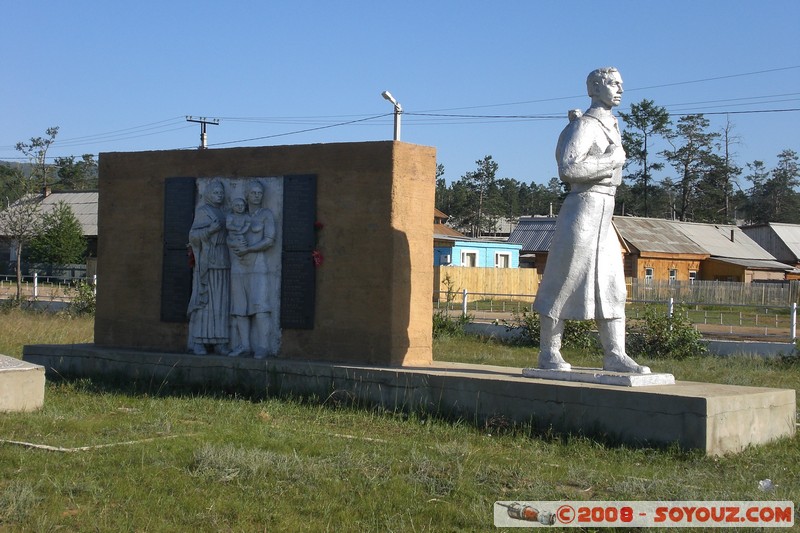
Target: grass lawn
127	460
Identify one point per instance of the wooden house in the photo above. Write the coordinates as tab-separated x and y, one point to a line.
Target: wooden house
668	250
660	249
780	240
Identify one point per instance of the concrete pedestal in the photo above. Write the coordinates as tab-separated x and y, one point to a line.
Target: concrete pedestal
600	377
21	385
715	418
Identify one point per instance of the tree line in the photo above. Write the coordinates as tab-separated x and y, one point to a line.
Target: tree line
696	178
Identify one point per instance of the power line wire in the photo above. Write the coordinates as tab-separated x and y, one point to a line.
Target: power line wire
301	131
715	78
435	118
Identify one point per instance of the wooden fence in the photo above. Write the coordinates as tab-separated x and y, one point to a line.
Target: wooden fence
715	292
515	282
498	281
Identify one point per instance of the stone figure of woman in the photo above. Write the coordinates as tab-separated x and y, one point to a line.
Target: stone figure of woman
209	306
251	307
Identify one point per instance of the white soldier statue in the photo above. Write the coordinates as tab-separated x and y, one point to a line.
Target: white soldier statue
584	277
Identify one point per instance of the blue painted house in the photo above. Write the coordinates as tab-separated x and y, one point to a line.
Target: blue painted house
453	248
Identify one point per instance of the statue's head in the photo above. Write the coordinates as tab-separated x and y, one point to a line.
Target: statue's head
605	84
255	193
215	192
238	205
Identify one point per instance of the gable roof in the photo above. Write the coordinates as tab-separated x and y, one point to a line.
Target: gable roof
780	239
720	241
789	234
655	235
674	236
535	234
82	203
725	241
441	229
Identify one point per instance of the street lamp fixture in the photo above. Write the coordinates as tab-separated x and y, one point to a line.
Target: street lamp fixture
398	110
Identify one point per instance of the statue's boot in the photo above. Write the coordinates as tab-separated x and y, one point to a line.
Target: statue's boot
612	337
551	332
198	349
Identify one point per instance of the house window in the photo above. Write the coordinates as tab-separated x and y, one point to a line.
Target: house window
673	274
469	259
648	274
502	260
692	275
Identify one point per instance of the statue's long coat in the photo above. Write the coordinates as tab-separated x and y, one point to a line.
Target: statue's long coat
584	277
209	306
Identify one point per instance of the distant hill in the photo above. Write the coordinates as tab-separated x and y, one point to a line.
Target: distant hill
26	167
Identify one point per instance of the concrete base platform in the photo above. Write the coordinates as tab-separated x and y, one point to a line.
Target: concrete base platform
21	385
600	377
715	418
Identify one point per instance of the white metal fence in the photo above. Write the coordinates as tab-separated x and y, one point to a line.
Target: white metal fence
42	288
737	320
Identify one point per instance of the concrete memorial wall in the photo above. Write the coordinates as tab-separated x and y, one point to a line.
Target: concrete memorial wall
349	263
343	236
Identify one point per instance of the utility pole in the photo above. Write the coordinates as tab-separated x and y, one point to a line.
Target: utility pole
203	121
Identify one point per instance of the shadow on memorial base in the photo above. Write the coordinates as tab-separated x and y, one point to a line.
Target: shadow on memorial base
714	418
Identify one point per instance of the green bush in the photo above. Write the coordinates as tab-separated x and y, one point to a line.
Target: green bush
578	334
446	326
657	335
443	324
83	299
527	326
581	335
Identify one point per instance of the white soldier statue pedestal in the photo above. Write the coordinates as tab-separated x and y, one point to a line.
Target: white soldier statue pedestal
584	277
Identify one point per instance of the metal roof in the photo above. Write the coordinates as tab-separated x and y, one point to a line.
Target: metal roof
82	203
720	240
789	234
656	235
755	264
674	236
534	234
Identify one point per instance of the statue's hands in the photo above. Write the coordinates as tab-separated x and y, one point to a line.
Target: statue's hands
617	154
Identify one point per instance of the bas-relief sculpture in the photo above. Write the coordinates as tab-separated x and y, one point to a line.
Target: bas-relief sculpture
584	277
235	241
209	304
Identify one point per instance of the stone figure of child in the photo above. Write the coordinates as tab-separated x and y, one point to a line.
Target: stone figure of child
238	224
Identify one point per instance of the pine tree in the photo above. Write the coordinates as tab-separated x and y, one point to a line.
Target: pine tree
60	240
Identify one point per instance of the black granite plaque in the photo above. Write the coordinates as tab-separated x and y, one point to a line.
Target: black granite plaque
299	212
176	273
298	272
297	290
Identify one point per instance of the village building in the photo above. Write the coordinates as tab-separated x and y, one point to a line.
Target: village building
453	248
671	250
83	205
781	240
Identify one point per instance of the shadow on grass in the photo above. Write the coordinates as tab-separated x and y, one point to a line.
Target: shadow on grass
496	425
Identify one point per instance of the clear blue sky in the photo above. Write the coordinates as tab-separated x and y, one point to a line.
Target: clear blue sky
122	76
